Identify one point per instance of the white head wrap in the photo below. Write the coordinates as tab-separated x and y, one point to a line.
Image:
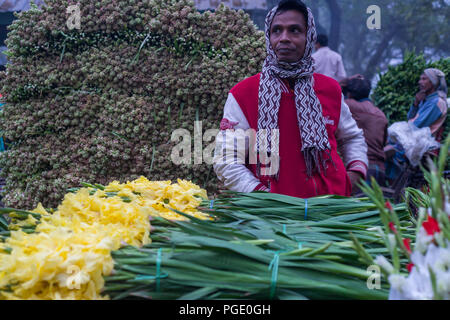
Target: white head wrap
437	78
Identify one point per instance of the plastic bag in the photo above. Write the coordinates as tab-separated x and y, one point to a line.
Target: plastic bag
415	141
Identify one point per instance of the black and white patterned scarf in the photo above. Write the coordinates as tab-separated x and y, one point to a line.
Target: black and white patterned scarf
315	145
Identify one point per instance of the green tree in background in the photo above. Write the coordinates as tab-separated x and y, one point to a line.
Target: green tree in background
415	25
397	87
418	25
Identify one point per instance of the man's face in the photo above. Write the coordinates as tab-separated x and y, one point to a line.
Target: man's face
425	84
288	36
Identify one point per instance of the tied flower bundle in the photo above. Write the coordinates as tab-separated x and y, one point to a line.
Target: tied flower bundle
65	254
426	265
259	246
158	196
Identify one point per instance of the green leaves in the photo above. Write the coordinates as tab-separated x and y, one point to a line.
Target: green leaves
3	223
230	256
397	87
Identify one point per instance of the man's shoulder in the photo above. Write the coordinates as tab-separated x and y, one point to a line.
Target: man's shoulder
246	85
442	105
333	53
326	83
432	100
379	112
329	52
367	107
357	107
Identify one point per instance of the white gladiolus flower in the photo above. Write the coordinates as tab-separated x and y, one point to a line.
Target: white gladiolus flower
422	213
443	264
384	264
443	284
423	240
418	286
440	239
397	281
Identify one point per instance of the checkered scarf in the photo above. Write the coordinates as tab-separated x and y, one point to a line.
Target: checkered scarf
315	145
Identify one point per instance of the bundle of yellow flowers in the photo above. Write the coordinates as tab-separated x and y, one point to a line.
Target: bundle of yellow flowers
160	196
70	252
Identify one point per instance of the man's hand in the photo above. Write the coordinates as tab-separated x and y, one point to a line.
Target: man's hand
420	96
343	82
261	187
354	178
357	76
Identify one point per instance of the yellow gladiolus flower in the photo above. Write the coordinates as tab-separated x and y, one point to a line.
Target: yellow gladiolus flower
70	252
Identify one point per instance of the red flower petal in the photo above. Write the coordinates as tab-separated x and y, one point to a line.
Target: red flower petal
409	266
431	226
388	205
392	227
407	243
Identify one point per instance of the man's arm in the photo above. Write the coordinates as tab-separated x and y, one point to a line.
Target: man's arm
232	149
428	114
351	143
419	98
340	74
412	112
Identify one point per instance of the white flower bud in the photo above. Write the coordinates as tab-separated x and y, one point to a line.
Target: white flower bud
392	241
423	240
422	212
384	264
380	231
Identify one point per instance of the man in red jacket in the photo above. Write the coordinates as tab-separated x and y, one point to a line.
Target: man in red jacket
282	128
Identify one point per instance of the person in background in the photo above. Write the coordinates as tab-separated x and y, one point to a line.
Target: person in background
430	104
327	61
305	110
371	120
429	109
